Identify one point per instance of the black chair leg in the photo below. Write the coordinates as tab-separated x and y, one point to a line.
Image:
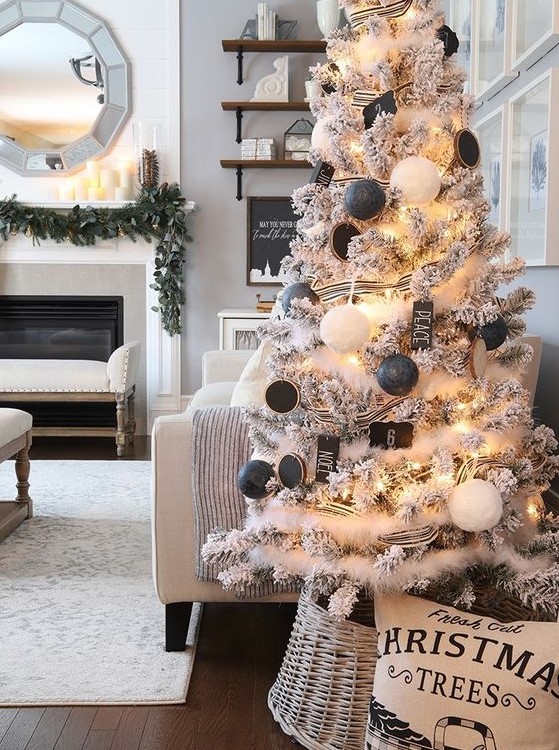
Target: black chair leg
177	619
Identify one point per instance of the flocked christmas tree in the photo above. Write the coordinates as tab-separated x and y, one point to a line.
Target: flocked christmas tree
396	448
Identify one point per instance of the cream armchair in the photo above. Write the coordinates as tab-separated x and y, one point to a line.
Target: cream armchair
173	538
173	534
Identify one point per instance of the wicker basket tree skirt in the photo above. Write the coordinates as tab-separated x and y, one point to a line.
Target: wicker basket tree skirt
322	692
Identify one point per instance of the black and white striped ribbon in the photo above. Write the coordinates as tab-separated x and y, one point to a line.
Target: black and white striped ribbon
375	414
342	289
410	537
359	18
385	184
362	97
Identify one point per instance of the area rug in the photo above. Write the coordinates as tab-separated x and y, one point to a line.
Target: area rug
80	622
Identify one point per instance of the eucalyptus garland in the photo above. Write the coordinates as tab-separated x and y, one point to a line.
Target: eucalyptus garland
157	215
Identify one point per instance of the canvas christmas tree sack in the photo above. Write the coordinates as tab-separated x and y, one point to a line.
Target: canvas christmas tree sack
396	449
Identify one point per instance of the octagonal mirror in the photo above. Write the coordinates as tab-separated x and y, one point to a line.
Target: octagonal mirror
64	86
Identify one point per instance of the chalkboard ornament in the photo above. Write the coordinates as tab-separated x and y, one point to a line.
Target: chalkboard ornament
253	478
418	179
345	329
384	105
340	237
494	334
449	39
475	505
282	396
299	290
391	434
291	470
364	199
397	375
466	148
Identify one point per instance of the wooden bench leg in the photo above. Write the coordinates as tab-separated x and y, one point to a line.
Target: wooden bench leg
121	420
131	428
22	467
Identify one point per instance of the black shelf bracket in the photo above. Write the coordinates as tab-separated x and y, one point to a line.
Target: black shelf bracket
239	115
240	66
239	173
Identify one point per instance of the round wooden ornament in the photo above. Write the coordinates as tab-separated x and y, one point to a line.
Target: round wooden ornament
466	148
478	358
291	470
340	237
282	396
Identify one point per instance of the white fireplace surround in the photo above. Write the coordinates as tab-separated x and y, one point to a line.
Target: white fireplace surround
162	355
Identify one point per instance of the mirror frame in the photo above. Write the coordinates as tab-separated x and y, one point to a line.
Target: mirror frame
116	76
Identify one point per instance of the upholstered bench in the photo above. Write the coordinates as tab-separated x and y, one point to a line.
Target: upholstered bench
15	440
79	380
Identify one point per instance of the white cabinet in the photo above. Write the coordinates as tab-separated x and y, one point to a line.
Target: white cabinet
237	328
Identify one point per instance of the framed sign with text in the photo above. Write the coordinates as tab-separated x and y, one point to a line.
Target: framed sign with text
271	225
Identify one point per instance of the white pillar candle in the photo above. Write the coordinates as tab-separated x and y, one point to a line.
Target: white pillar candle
80	189
122	193
107	181
125	174
66	190
92	171
94	194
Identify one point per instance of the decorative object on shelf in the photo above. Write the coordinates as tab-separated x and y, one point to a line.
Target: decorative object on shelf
266	22
249	30
275	86
263	149
271	226
327	15
297	140
286	29
146	144
264	305
157	215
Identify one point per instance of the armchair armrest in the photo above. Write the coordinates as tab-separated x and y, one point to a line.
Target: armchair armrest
122	367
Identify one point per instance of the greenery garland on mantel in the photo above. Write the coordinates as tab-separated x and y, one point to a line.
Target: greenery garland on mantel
158	214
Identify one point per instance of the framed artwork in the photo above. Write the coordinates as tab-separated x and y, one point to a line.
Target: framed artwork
535	32
491	132
271	226
492	22
534	178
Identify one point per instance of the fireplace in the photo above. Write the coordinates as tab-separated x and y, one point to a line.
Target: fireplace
55	327
62	327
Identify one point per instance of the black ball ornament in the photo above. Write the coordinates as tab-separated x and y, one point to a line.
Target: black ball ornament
253	477
299	290
364	199
397	375
449	40
494	334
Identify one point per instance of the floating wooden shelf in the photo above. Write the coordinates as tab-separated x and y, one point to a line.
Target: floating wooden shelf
240	46
239	107
240	164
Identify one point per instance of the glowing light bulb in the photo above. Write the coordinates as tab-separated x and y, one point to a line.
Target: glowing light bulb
353	360
461	427
445	478
461	406
416	465
533	511
380	486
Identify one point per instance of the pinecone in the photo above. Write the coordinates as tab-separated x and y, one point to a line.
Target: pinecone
148	169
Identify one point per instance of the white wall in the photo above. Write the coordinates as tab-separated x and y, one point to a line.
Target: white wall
216	267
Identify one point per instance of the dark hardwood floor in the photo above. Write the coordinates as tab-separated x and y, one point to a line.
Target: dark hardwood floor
240	649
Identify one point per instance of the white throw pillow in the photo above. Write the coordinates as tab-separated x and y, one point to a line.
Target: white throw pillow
251	386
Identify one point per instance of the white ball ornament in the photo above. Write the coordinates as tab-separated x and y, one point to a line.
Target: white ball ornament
418	179
475	505
345	329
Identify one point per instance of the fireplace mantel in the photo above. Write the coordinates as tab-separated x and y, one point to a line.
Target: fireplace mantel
163	352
